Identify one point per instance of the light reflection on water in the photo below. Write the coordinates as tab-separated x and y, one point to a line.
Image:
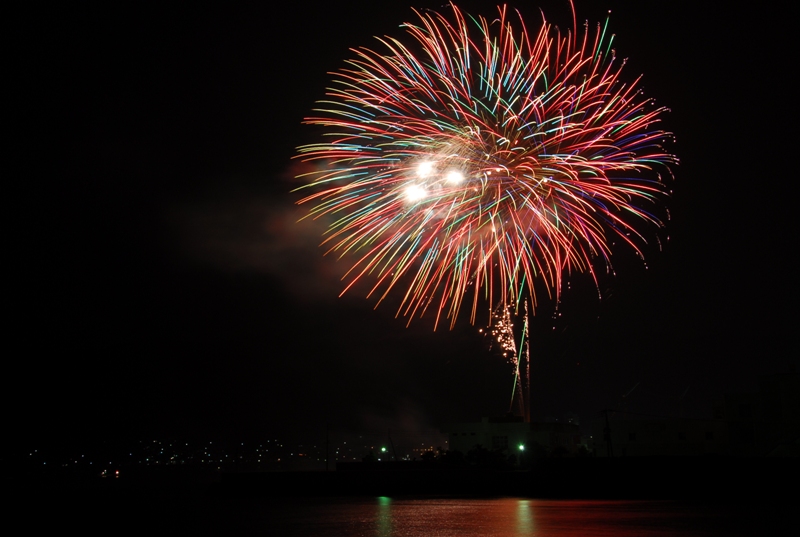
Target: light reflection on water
506	517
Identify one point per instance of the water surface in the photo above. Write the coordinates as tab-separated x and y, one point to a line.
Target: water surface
507	517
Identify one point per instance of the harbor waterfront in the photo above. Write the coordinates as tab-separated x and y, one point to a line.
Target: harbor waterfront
560	497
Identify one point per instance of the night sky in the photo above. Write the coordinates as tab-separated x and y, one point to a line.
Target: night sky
160	286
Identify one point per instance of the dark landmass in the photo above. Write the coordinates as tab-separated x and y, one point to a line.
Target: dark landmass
651	478
668	478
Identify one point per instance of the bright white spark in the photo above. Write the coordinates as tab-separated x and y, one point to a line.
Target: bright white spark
415	192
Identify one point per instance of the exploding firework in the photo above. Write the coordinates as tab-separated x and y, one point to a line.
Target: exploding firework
473	159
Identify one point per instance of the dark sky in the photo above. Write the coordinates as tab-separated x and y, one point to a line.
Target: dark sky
159	285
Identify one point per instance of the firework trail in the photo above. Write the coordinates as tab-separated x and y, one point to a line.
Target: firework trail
472	159
501	333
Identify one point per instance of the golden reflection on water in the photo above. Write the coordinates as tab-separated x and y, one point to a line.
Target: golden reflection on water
514	517
524	518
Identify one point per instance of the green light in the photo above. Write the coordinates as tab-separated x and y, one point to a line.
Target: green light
522	447
383	450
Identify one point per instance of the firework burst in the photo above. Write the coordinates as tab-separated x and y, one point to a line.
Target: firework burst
473	159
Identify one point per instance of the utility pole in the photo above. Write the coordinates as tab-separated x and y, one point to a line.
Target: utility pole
394	452
607	435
